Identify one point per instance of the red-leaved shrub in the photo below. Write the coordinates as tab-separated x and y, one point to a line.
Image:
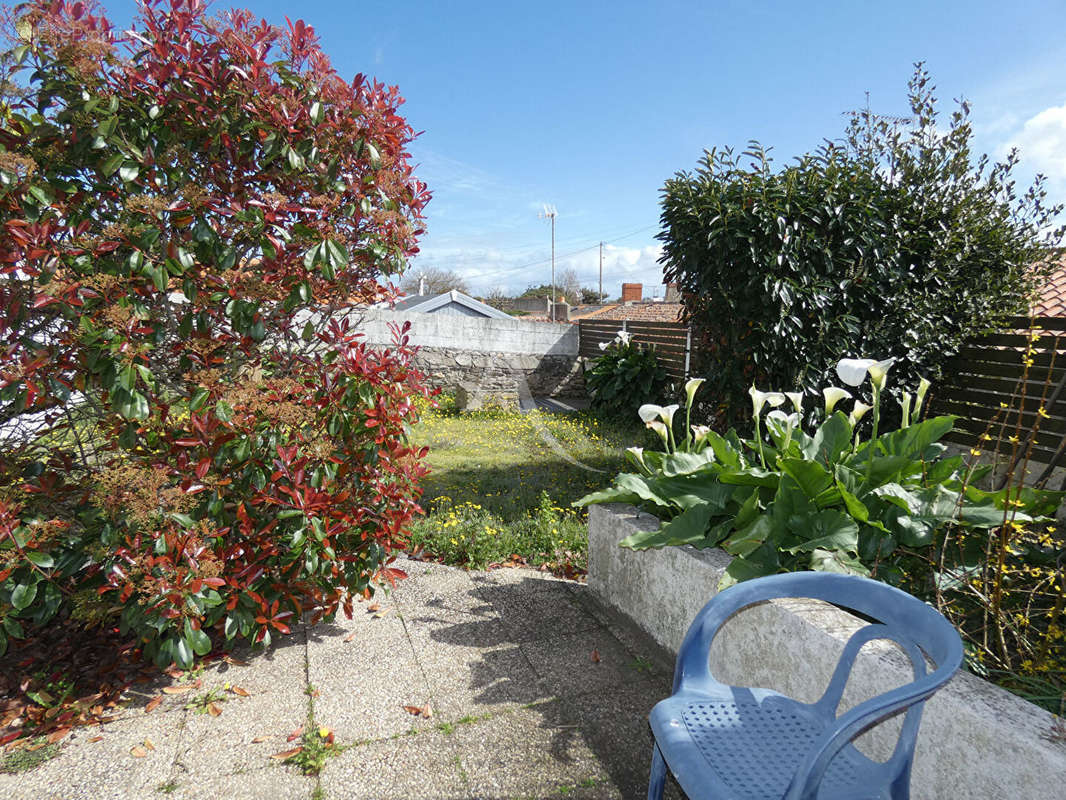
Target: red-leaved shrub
197	444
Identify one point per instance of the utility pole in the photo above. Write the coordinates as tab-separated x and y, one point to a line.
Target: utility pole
550	213
600	296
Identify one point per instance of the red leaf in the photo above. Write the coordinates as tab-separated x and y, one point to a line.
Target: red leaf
294	734
153	704
284	754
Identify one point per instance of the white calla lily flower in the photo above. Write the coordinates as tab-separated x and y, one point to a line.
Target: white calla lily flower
604	345
623	336
858	412
649	411
691	387
833	395
853	371
906	404
666	414
879	372
700	433
797	400
638	455
760	399
923	388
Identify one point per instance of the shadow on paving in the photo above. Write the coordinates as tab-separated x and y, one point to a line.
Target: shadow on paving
568	685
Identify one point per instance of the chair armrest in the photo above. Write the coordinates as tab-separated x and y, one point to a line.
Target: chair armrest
692	668
809	773
827	705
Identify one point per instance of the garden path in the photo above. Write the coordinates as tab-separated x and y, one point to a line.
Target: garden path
535	692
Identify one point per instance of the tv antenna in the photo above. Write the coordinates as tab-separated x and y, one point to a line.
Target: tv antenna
549	212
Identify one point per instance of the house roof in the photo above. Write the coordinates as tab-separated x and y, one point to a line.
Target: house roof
633	312
427	305
1051	301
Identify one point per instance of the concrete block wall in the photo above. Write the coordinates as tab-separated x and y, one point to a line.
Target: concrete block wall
976	740
491	354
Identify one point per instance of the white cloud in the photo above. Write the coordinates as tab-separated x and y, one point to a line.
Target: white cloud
487	268
1042	145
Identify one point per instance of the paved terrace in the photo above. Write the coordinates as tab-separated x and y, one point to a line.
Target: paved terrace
536	691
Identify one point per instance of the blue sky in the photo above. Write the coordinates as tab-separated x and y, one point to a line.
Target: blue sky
591	106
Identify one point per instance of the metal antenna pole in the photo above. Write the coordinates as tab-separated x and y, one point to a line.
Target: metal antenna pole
550	213
600	296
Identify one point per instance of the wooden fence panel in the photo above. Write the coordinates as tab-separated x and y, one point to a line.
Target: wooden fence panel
992	391
671	340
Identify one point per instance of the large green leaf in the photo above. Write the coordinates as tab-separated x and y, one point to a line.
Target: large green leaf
835	561
810	476
750	538
686	463
688	527
829	529
830	441
913	441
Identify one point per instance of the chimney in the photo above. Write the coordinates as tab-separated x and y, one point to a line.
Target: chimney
421	285
672	295
632	292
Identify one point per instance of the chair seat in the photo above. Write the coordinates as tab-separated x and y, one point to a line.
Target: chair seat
749	745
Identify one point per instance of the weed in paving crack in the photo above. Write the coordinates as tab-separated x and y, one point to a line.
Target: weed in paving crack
28	757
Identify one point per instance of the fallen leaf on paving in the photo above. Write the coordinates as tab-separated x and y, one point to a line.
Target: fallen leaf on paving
294	734
56	735
237	662
373	607
214	709
420	711
287	753
153	704
188	687
595	656
92	739
259	739
350	637
138	752
238	690
380	614
148	744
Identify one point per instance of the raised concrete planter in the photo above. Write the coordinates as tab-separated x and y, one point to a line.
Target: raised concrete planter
976	740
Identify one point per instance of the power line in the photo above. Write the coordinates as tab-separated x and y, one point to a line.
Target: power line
509	270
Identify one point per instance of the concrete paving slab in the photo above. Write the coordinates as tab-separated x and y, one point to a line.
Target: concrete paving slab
409	767
365	672
532	615
225	745
481	682
531	580
579	663
105	768
527	753
268	783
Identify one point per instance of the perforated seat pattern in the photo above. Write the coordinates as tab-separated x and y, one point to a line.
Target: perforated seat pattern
755	747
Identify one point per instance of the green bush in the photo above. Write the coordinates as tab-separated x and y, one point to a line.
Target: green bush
891	241
626	376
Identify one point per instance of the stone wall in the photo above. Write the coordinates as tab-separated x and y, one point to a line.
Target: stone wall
495	376
487	356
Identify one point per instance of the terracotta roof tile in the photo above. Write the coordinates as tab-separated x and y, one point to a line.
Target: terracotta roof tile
1052	299
638	312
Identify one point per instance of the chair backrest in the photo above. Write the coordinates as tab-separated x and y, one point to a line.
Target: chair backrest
923	624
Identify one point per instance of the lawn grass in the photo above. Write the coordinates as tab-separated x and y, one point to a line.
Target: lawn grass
497	489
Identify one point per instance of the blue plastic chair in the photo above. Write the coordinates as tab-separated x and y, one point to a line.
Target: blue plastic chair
728	743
